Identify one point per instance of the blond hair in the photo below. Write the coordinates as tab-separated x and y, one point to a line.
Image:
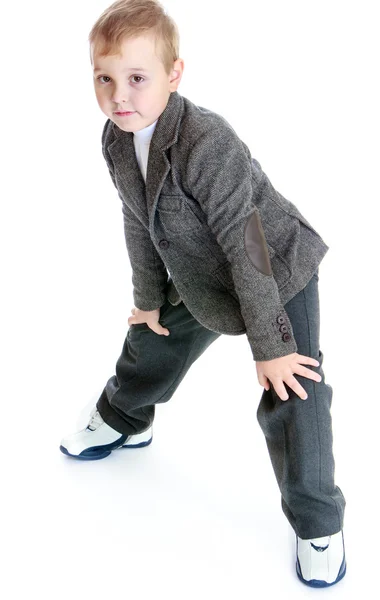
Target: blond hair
125	19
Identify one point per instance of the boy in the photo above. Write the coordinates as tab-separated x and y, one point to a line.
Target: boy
214	249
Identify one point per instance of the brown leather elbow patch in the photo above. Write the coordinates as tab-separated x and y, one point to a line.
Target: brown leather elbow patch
256	245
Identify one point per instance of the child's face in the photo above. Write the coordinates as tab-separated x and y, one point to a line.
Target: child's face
121	84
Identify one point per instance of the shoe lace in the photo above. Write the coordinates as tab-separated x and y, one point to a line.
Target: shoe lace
95	420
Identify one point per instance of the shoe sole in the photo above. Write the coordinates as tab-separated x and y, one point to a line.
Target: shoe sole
98	452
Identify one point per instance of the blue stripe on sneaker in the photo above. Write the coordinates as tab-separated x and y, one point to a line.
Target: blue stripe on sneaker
79	457
96	452
140	445
319	548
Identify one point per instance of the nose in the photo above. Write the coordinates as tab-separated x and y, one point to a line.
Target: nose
119	95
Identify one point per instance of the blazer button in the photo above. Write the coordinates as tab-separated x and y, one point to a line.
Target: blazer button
163	244
283	328
281	320
286	337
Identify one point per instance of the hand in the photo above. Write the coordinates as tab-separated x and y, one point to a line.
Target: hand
279	370
150	317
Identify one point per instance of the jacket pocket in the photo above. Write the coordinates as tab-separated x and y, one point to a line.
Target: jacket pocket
280	269
176	216
290	208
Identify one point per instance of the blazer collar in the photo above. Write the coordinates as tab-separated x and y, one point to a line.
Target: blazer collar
122	152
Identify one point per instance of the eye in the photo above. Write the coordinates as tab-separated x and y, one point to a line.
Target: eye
101	76
133	76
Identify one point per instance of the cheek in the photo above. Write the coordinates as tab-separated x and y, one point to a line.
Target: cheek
100	92
102	98
103	103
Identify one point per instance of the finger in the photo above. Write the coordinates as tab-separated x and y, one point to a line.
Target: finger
307	373
307	360
163	330
296	387
157	328
280	389
263	380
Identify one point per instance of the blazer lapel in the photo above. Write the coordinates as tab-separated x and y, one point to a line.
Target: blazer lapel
144	196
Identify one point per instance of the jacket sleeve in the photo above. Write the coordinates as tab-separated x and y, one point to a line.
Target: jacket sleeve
222	179
149	274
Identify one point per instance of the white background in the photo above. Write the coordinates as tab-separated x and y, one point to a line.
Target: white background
197	513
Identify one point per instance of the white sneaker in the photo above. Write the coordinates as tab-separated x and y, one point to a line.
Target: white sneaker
321	562
98	439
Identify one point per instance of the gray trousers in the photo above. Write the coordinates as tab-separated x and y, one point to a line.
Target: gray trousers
298	432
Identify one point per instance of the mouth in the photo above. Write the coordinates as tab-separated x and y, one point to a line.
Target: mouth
124	113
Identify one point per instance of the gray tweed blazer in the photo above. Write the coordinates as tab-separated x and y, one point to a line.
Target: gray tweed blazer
209	229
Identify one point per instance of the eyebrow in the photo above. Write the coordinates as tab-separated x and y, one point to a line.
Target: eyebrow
131	69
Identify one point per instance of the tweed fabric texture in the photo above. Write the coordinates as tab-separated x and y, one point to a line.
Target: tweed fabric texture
209	215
